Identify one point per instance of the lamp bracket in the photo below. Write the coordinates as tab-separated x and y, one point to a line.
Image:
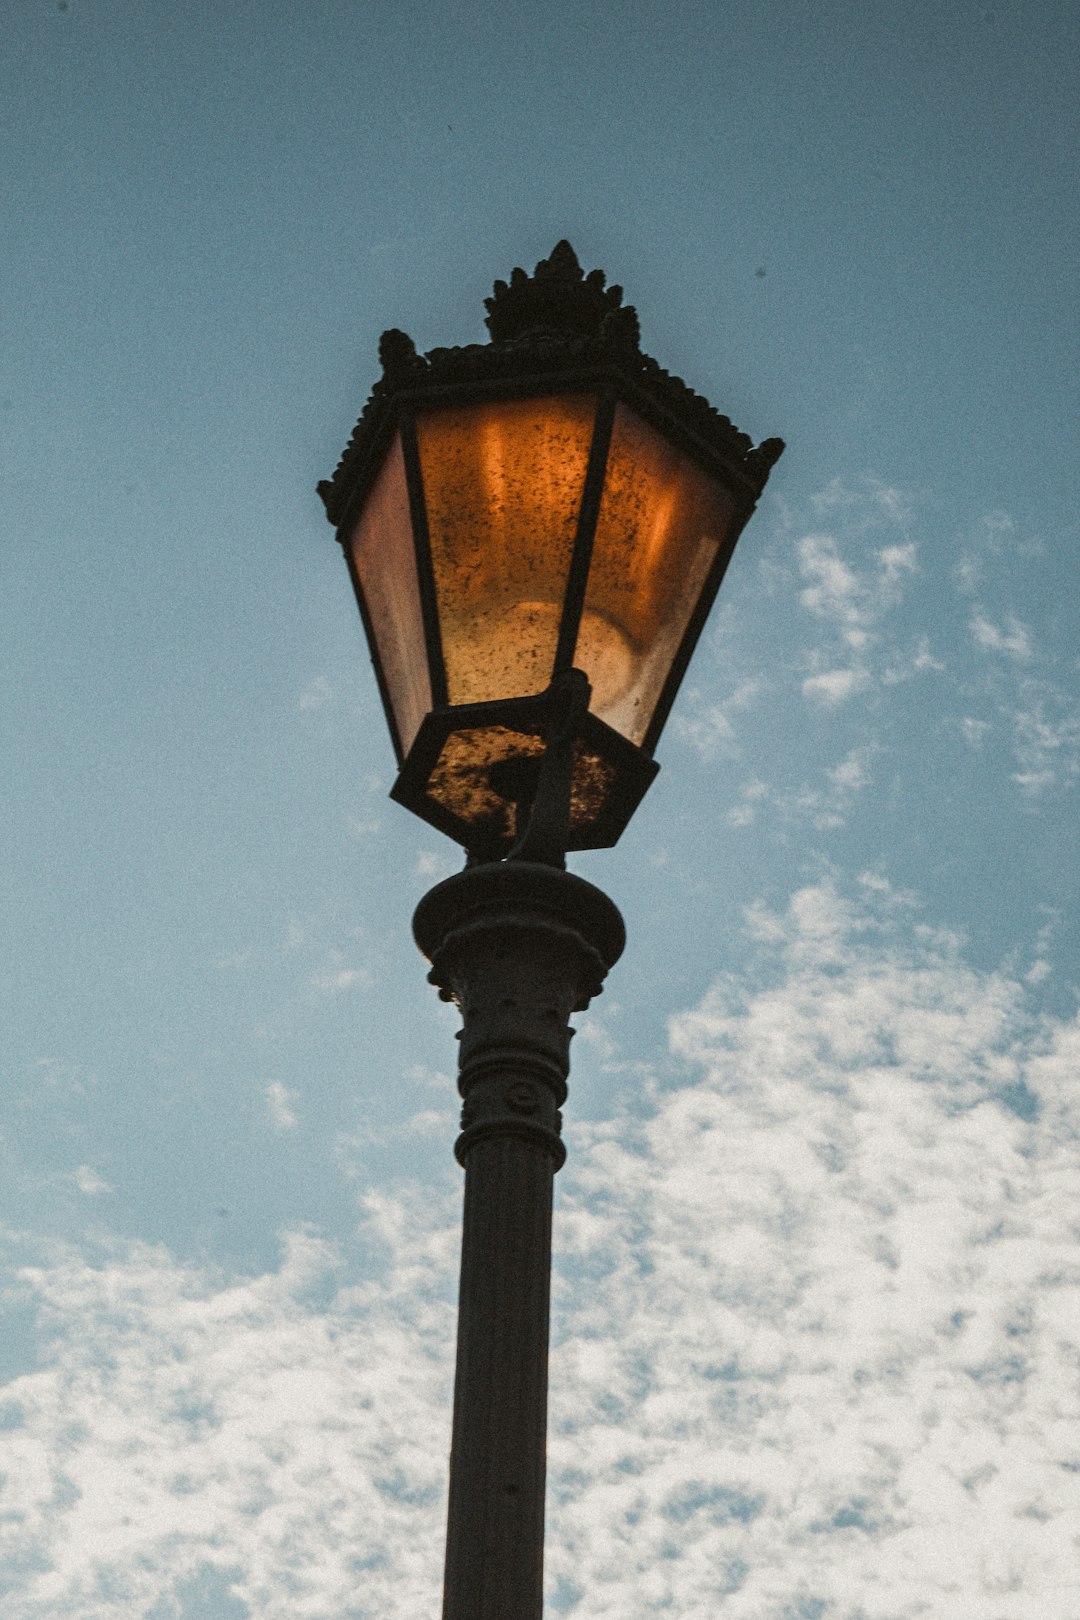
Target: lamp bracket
547	831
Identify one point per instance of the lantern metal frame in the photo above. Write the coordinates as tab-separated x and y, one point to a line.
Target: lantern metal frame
556	333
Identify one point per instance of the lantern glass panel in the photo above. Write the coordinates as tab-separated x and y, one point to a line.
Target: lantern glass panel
662	521
384	558
503	482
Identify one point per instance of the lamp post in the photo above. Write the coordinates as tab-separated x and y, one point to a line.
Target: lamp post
536	529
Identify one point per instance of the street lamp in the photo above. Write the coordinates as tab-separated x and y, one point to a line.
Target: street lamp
536	529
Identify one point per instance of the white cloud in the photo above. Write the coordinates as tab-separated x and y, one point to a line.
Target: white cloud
279	1105
56	1076
89	1182
427	1122
851	775
752	794
1015	640
709	727
850	586
897	560
815	1338
362	828
823	807
338	976
182	1422
834	590
870	504
843	1377
316	694
1046	740
919	662
432	866
834	686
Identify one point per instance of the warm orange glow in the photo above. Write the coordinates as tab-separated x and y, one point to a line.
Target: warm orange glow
662	522
503	483
384	558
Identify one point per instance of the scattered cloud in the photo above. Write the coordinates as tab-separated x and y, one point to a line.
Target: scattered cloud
279	1105
426	1122
851	600
1015	639
815	1337
864	506
709	727
824	807
843	1378
431	866
333	980
316	694
183	1422
56	1076
920	661
897	560
362	827
1046	739
834	686
89	1182
834	590
974	731
432	1079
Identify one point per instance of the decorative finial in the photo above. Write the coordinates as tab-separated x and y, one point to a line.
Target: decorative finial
558	296
397	352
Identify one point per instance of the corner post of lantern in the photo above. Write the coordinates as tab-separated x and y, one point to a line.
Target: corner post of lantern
535	529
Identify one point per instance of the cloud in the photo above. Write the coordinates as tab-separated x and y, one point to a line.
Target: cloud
1015	640
844	1284
919	662
709	727
89	1182
834	686
316	694
852	599
823	807
834	591
432	866
974	731
279	1105
815	1337
338	976
249	1427
1046	740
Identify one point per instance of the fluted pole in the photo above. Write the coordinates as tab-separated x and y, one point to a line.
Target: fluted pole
519	947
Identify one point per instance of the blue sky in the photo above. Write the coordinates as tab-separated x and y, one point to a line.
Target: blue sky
816	1274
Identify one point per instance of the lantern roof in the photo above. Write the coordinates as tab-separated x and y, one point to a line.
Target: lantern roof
549	329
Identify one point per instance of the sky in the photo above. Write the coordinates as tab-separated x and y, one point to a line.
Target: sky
816	1303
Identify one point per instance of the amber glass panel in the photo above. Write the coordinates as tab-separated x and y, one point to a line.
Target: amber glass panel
502	485
662	522
461	780
384	558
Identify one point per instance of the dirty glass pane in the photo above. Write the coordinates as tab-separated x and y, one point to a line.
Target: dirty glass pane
384	557
461	780
662	522
502	485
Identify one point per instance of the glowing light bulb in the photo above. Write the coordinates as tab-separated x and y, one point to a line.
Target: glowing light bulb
509	652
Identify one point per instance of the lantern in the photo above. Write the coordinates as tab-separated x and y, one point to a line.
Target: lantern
510	512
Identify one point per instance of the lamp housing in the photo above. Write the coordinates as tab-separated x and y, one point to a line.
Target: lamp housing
509	511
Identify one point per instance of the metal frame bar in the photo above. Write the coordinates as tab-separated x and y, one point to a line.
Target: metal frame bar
429	600
634	769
